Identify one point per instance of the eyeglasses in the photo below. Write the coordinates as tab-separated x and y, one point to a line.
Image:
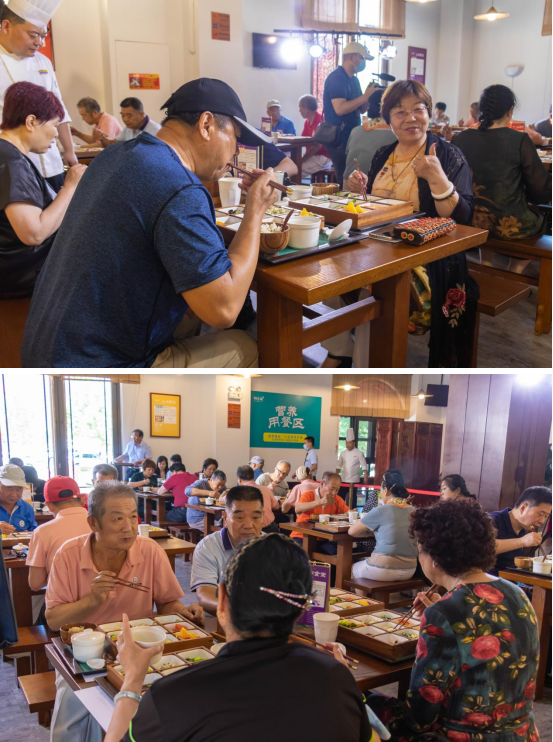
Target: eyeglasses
283	473
417	111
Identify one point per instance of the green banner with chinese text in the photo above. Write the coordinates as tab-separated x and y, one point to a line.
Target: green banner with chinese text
283	420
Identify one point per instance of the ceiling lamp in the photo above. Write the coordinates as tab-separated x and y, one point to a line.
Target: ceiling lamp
248	376
421	394
316	50
491	15
347	386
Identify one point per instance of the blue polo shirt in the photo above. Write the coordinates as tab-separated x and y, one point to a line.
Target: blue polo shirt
139	231
285	125
340	85
502	522
22	517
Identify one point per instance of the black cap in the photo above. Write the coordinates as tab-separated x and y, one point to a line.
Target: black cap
216	96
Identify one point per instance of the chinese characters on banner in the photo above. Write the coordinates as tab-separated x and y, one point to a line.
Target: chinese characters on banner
283	420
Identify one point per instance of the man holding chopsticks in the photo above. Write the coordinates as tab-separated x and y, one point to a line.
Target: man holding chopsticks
98	577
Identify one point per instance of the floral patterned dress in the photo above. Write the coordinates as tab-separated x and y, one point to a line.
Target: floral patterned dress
475	673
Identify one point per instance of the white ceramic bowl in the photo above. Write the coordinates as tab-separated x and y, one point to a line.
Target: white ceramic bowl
324	518
541	567
304	232
88	645
300	191
149	636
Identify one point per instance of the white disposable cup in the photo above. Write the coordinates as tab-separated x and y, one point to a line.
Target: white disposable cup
300	191
541	567
326	627
229	192
210	501
37	505
149	636
324	518
144	530
352	515
274	134
278	177
304	231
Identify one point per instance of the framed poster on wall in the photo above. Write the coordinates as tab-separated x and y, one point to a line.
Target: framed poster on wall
416	64
164	415
283	420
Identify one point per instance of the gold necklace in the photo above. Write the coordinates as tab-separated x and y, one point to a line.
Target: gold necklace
391	190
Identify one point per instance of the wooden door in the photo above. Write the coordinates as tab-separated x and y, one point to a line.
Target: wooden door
403	449
383	449
428	448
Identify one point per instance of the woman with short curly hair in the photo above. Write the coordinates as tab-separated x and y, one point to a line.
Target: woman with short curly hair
477	652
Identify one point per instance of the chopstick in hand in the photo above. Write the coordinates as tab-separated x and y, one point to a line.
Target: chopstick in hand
272	183
415	606
308	640
134	585
361	180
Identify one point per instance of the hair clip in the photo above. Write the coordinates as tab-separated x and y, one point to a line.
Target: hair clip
286	597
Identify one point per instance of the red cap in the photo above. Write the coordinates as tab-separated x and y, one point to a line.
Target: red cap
60	489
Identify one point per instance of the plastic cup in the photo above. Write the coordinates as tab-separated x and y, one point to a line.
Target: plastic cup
326	627
144	530
278	177
274	135
229	192
324	518
149	636
352	515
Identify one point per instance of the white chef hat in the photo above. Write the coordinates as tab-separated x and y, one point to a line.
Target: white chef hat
350	435
37	12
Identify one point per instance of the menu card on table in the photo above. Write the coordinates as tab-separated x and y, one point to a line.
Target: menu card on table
321	588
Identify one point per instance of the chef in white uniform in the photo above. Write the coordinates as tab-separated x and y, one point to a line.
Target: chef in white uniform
350	462
22	33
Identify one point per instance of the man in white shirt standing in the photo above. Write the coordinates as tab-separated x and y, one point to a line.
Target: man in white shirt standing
311	460
135	453
23	31
350	462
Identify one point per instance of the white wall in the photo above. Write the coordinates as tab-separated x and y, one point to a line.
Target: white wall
311	385
222	60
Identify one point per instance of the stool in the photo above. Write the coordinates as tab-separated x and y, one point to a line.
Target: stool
13	315
40	693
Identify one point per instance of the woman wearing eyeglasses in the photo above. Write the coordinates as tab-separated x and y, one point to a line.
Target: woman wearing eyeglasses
434	175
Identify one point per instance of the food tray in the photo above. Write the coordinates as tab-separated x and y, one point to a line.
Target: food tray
376	210
159	532
359	604
172	643
325	189
332	527
21	537
367	637
179	661
76	667
527	572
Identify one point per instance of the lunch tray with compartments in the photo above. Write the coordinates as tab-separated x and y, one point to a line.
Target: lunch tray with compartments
175	641
377	633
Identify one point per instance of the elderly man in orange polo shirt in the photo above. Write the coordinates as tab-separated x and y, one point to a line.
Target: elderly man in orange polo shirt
83	586
71	519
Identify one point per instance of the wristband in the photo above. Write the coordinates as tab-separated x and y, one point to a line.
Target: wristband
126	694
446	194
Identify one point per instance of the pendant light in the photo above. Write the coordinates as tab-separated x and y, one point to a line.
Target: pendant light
421	394
348	384
491	15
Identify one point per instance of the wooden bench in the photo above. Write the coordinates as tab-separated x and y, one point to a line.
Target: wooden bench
383	590
13	315
529	248
496	296
40	693
28	651
186	532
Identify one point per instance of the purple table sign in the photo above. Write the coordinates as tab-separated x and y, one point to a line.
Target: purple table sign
321	588
416	64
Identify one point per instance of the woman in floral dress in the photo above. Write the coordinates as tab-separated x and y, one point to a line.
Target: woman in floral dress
478	650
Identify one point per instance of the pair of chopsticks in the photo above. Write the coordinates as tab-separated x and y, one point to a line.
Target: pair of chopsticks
134	585
352	663
411	612
273	183
361	180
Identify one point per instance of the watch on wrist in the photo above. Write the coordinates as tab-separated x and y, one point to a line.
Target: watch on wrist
126	694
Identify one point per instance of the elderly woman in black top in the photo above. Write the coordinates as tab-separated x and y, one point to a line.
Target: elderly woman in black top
267	586
435	177
30	211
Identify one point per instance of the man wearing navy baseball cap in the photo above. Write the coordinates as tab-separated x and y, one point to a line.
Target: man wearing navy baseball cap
138	263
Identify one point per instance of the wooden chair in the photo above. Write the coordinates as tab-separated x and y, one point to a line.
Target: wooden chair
496	296
40	693
28	652
529	248
324	176
13	315
187	533
383	590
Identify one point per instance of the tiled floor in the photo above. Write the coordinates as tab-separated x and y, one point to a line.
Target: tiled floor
18	725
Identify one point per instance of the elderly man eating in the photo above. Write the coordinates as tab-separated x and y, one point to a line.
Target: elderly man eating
244	518
279	486
15	513
84	585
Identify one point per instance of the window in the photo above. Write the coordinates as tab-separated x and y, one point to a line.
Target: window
369	13
88	411
26	424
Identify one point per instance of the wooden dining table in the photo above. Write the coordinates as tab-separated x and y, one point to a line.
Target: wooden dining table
541	602
295	145
154	504
344	547
210	515
286	291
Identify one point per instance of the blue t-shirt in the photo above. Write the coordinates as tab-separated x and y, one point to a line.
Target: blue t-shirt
286	126
22	517
390	526
140	230
340	85
271	156
505	530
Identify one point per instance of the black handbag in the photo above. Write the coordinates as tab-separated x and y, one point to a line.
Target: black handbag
328	134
